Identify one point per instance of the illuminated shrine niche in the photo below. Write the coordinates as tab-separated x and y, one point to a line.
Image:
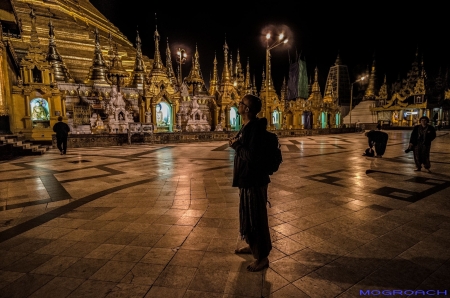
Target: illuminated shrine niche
39	109
162	114
275	117
234	119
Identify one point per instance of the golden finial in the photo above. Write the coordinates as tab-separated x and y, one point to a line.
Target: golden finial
32	14
315	85
157	62
338	60
214	82
170	72
34	38
51	33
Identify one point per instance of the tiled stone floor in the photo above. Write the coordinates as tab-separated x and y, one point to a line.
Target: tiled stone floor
162	221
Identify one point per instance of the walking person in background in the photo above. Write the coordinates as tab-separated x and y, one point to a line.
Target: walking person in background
252	183
420	142
62	132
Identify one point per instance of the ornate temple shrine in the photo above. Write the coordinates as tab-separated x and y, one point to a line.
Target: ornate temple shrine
64	58
408	99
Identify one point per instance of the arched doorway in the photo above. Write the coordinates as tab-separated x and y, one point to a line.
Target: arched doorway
276	119
235	119
307	120
323	120
164	121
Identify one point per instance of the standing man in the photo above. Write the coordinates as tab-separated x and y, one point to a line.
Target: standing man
420	142
252	181
62	131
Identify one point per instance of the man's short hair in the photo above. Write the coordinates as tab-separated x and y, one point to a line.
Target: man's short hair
254	103
59	118
426	118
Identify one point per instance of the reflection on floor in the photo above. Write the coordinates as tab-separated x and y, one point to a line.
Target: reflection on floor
162	221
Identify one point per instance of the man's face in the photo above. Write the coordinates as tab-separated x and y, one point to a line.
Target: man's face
243	106
424	122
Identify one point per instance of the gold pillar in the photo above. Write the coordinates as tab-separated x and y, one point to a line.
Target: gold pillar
3	106
227	118
153	110
215	118
295	119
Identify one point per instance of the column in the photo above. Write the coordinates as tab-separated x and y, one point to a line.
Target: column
4	113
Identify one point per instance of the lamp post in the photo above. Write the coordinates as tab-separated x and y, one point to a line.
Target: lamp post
281	40
351	96
181	59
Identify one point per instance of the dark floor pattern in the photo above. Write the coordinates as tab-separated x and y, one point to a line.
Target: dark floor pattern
162	221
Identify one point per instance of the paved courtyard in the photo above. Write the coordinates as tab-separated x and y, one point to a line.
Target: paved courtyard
162	221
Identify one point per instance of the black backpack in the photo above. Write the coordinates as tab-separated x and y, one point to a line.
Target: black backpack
272	157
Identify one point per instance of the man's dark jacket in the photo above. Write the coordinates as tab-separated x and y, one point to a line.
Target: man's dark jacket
376	136
61	129
248	170
430	135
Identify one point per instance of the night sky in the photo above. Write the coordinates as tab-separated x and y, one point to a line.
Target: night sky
317	31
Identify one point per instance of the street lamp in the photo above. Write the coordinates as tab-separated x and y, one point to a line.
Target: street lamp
351	96
281	40
181	59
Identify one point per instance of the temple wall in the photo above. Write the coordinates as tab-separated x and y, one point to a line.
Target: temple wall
106	140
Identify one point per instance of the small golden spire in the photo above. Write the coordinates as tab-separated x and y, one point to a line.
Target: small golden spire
225	72
247	85
195	76
157	62
383	94
97	72
59	68
139	63
170	72
338	60
138	76
239	73
370	91
214	82
315	86
34	38
231	66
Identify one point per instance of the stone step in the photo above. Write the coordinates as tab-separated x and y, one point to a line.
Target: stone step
15	145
